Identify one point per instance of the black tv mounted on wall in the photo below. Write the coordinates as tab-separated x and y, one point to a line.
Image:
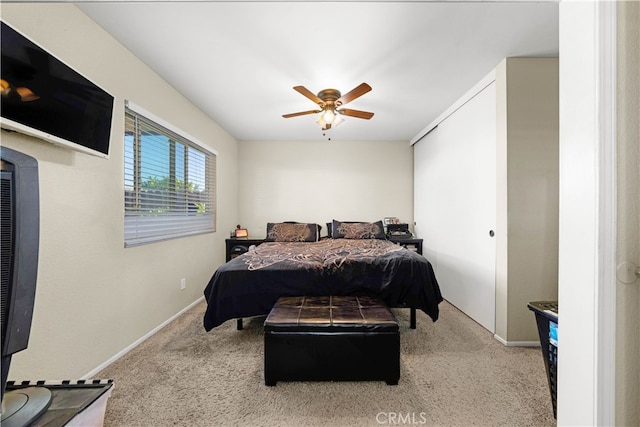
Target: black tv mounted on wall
43	97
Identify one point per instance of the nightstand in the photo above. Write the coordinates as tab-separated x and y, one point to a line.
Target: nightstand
410	243
235	247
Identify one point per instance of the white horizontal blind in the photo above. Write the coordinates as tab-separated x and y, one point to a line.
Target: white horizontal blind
169	183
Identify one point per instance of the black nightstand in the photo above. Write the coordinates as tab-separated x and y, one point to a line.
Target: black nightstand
235	247
410	243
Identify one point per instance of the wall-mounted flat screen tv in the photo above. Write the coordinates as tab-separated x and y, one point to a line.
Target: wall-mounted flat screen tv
43	97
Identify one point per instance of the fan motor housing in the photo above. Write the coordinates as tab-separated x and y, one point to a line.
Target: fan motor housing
329	96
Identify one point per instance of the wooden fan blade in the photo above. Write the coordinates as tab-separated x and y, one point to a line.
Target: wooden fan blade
301	113
312	96
355	93
355	113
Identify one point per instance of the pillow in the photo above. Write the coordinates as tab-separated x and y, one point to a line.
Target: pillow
317	225
357	230
292	232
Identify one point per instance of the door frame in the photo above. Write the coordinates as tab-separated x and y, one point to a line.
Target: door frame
586	279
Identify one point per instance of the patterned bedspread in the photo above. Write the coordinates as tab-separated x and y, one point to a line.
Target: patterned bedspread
249	285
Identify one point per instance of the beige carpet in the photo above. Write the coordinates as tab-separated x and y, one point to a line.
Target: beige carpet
453	373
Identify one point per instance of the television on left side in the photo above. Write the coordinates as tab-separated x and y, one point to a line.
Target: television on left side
43	97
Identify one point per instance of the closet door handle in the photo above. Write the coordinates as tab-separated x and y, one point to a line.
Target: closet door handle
492	233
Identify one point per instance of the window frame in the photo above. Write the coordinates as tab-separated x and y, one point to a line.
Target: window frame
142	228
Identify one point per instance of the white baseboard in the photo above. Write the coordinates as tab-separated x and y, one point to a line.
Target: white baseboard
517	343
126	350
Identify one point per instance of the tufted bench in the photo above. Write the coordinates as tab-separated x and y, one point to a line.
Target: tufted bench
331	338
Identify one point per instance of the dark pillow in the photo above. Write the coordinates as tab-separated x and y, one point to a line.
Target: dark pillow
329	227
317	225
357	230
292	232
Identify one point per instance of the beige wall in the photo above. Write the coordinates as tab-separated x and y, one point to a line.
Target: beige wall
94	297
628	214
320	181
527	194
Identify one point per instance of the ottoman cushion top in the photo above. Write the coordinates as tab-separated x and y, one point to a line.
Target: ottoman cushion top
330	314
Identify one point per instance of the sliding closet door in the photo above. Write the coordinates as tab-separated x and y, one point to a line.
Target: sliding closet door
455	205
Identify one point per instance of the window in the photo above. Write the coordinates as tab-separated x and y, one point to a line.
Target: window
169	182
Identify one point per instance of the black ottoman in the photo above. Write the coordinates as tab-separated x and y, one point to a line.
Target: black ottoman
332	338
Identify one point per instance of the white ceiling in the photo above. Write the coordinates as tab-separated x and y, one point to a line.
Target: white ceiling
238	60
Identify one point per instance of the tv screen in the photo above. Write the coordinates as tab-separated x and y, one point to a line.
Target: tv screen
43	97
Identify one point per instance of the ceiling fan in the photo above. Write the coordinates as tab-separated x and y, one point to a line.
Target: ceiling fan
330	101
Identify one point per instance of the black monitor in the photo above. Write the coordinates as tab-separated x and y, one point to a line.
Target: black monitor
19	238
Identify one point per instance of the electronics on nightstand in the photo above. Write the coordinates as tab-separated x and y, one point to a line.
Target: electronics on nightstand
399	231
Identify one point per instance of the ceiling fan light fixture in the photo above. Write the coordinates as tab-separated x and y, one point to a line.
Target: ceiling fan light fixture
324	124
328	116
329	100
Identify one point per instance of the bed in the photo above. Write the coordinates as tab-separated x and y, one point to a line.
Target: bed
349	263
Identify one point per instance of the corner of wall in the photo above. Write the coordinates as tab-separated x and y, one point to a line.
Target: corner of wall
502	237
531	144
